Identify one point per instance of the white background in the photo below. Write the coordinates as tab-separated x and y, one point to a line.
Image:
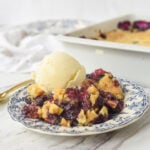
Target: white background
22	11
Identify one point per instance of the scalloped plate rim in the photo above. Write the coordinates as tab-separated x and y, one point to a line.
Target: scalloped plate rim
84	133
87	133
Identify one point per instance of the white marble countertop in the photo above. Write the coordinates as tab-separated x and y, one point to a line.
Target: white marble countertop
13	136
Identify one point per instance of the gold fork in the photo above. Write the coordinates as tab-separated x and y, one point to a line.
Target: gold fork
4	95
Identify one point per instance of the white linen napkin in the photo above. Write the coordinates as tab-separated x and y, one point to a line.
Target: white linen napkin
22	47
21	52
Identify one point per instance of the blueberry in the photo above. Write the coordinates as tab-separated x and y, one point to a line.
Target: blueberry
124	25
141	25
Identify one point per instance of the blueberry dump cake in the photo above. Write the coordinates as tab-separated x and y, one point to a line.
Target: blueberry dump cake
94	100
63	94
136	32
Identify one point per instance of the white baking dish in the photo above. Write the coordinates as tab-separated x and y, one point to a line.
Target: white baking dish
123	60
93	30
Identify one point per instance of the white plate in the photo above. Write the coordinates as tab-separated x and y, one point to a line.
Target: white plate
93	31
136	104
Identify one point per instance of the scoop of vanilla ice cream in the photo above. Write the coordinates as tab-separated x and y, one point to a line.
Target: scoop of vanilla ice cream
59	70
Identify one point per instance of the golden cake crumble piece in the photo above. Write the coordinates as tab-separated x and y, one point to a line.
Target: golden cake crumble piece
92	90
112	104
82	117
45	109
65	123
91	115
39	112
104	111
34	90
107	84
54	109
59	94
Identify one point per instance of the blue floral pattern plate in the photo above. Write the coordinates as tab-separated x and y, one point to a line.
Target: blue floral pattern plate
136	104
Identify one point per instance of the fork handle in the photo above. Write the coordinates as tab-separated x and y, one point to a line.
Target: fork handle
18	86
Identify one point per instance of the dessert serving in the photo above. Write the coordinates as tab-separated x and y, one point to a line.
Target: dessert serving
63	94
136	32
